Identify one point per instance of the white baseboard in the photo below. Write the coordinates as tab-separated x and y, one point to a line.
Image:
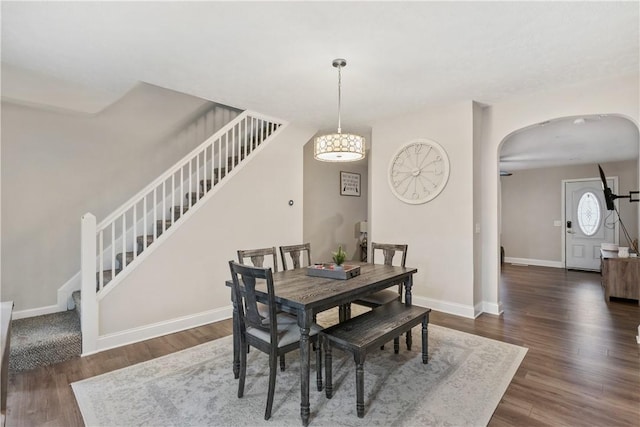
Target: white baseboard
536	262
470	312
467	311
489	308
32	312
118	339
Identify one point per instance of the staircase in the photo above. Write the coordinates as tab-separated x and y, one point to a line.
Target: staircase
129	234
113	248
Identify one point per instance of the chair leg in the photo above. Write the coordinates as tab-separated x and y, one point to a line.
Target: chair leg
319	364
409	339
328	387
396	345
273	370
282	363
236	347
243	372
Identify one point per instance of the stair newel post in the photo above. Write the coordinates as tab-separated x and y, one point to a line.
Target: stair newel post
89	312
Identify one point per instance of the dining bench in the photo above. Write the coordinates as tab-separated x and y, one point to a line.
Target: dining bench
367	331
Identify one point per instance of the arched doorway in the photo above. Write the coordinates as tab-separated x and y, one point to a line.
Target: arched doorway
537	161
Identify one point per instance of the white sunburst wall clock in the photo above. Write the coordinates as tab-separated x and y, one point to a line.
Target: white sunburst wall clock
418	171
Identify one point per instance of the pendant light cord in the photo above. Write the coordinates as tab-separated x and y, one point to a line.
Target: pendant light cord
339	96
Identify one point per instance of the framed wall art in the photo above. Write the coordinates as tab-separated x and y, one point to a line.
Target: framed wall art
349	184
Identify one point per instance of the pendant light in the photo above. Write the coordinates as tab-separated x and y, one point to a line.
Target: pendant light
339	147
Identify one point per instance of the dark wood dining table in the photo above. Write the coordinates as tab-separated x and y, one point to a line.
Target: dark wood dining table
303	295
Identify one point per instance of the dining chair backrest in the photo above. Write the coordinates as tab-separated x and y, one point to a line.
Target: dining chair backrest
248	313
389	251
295	252
257	257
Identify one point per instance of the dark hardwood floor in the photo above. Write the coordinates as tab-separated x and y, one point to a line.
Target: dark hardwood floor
582	367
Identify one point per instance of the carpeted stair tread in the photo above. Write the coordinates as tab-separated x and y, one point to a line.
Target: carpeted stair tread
207	183
162	225
175	210
195	196
129	258
107	276
77	301
44	340
140	241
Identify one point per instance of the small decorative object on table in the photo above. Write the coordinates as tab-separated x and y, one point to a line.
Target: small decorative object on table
337	270
339	257
329	271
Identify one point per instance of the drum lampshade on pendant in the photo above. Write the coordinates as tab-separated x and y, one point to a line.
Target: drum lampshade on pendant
339	147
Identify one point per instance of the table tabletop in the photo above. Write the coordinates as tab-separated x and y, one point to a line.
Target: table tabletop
296	290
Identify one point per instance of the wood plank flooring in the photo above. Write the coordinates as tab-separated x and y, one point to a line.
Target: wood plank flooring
582	368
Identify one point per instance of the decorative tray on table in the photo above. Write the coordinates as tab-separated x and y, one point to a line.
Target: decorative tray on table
331	271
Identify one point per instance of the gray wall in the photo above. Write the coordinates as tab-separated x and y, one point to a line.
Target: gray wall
440	233
58	165
183	281
532	201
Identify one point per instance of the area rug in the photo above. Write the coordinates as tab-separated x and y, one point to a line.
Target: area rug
460	386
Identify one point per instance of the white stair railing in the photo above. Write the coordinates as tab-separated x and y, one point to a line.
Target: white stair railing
109	248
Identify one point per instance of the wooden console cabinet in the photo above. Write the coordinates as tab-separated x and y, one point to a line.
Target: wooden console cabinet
620	276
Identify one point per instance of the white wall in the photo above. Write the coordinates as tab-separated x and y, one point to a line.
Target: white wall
532	201
57	165
185	277
439	233
329	218
614	96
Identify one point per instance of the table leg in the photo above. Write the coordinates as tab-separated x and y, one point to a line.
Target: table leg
408	284
344	312
236	339
304	322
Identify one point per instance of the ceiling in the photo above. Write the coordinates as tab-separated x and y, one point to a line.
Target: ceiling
275	57
570	141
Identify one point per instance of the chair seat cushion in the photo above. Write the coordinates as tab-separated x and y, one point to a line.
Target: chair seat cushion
263	310
379	298
288	330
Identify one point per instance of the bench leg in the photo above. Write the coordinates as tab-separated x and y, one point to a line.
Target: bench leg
328	387
425	339
359	359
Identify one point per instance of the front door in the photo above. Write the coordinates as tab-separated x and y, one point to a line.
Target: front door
588	224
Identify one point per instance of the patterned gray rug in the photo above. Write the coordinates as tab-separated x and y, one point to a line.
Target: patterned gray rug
460	386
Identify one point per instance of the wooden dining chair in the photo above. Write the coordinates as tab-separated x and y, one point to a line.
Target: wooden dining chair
386	296
257	257
295	253
275	334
